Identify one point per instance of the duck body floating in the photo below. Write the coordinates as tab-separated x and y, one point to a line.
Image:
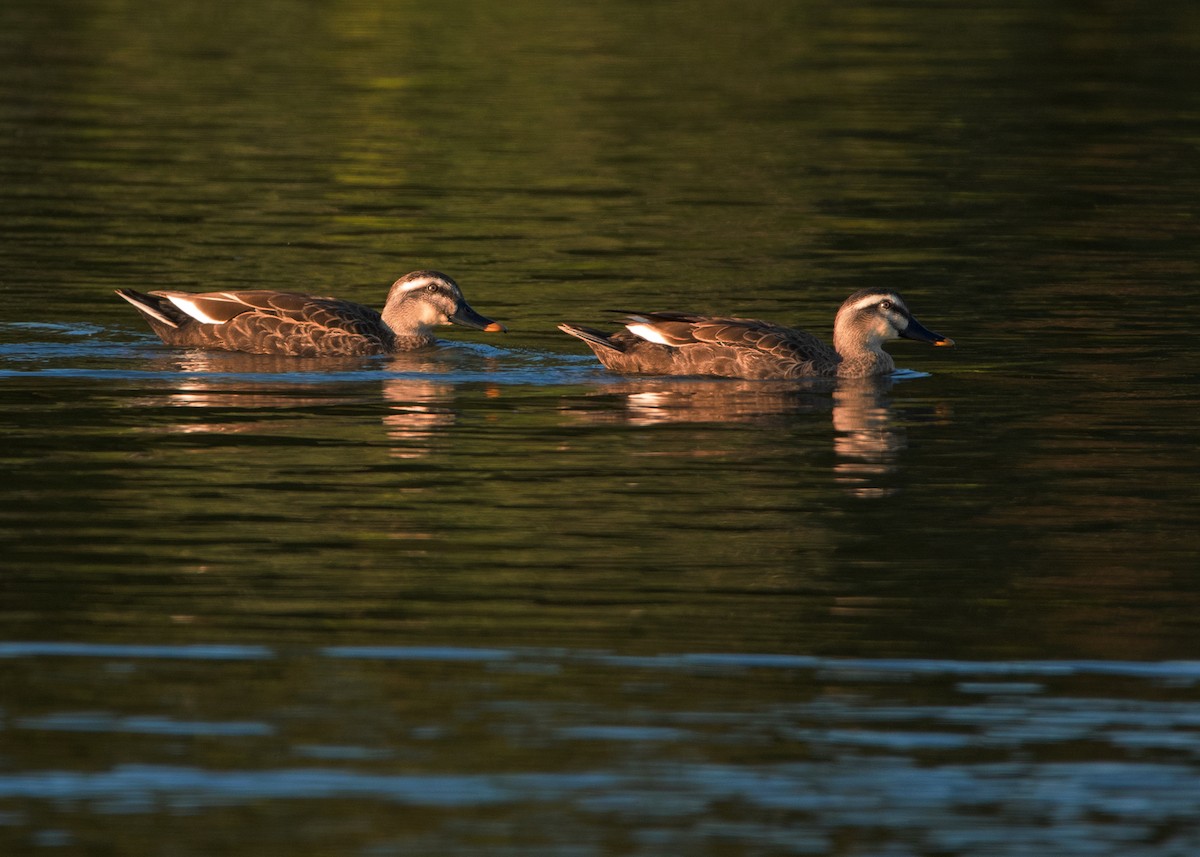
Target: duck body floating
261	321
670	343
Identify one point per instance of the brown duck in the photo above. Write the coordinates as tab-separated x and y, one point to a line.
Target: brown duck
670	343
260	321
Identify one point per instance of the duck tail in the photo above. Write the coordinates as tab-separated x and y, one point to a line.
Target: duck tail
153	308
592	336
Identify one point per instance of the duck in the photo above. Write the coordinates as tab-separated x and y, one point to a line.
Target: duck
676	343
262	321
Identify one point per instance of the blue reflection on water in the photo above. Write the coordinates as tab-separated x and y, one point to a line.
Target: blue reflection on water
418	653
131	787
102	722
214	652
89	352
1178	673
945	753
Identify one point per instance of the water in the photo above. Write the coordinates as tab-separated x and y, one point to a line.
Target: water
490	599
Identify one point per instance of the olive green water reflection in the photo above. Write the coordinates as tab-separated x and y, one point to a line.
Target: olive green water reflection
488	599
454	512
664	515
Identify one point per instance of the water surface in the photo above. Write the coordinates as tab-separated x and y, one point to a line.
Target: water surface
490	599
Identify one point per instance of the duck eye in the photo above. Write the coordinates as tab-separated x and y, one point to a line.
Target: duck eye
885	304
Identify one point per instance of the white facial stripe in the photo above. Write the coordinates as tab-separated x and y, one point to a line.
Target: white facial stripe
646	332
871	300
419	283
194	311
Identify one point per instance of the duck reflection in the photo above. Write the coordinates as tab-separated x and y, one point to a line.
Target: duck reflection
868	436
257	387
417	411
421	406
236	363
241	382
654	401
433	361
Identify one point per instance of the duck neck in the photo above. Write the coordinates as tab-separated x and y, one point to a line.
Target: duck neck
404	320
861	359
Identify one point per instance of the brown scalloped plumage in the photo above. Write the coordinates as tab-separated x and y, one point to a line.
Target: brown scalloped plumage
260	321
669	343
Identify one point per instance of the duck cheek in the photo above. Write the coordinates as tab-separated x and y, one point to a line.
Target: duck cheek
432	316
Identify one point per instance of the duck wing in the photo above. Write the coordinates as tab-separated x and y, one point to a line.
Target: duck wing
757	349
223	307
263	321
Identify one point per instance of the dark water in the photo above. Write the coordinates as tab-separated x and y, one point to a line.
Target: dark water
489	599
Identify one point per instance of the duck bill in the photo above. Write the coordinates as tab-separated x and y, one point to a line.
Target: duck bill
921	333
467	317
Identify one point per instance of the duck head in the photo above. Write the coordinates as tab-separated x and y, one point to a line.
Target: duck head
425	299
871	317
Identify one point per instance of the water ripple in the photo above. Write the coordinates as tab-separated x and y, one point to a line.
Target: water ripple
1177	672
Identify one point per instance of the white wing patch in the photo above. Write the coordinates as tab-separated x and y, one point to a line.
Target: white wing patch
189	306
646	332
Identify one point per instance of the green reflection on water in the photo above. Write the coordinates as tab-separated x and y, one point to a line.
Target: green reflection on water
561	159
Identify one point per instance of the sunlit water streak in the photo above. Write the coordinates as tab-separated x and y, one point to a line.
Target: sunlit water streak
1177	673
450	363
75	349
